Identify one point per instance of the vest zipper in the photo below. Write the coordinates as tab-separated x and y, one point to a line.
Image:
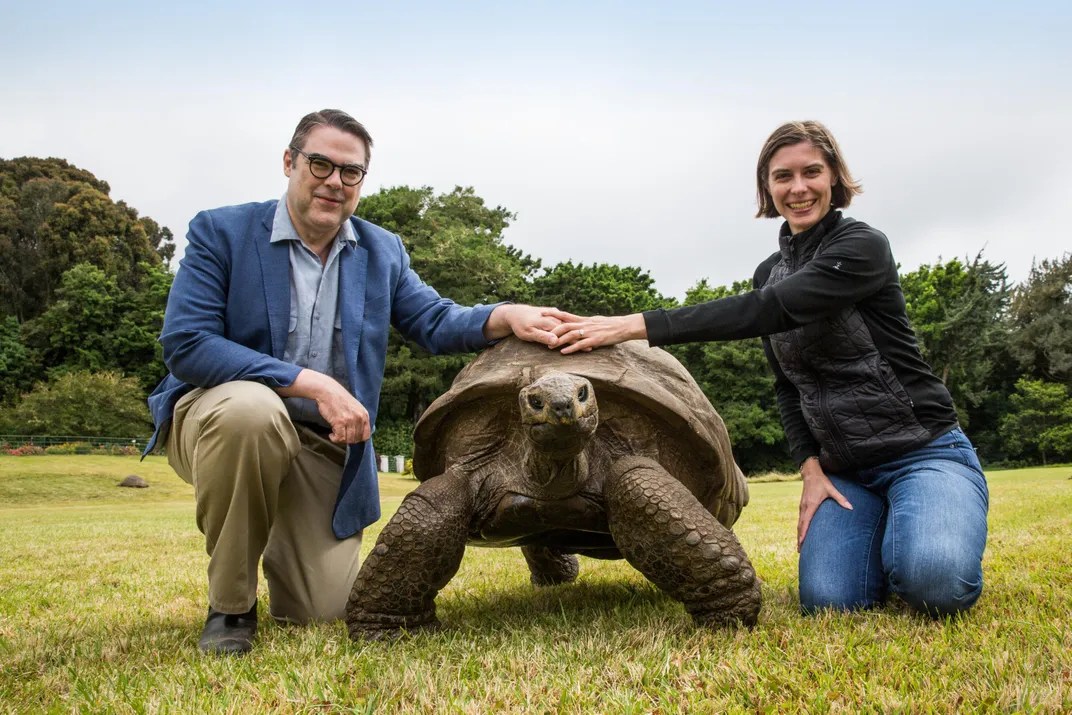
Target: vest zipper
836	438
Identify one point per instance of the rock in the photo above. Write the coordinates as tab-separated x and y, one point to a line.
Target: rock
134	481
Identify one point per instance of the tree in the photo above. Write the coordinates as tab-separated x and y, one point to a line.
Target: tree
1039	425
455	243
54	216
599	289
16	366
82	403
735	377
1041	318
956	310
96	325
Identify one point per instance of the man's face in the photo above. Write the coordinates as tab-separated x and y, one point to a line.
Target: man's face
319	206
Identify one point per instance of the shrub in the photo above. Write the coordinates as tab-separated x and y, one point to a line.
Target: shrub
394	437
118	450
103	404
70	448
26	450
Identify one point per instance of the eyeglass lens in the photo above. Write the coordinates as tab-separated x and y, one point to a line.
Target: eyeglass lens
322	169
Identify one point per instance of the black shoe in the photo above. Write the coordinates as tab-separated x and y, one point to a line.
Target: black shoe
229	634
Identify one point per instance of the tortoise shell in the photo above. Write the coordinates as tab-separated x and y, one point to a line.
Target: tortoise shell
629	379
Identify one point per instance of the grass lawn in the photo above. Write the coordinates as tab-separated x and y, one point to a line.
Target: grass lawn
102	599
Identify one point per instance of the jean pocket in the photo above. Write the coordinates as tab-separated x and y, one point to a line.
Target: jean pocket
950	439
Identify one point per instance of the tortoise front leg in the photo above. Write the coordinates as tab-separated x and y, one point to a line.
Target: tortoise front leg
417	553
667	535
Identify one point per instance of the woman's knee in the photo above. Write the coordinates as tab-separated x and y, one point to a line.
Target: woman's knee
836	590
944	582
832	593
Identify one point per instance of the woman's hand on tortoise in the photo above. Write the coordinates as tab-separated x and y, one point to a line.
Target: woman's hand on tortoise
597	330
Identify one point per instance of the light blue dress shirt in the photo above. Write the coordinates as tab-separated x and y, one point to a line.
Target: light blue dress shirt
314	333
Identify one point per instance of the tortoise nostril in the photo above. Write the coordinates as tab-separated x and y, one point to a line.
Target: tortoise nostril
562	407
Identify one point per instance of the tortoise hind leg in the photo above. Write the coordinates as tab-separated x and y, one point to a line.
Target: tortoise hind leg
667	535
550	567
417	553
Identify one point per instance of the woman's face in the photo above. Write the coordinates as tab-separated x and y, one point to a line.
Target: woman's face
801	183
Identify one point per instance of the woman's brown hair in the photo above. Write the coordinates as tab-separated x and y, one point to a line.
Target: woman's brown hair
818	136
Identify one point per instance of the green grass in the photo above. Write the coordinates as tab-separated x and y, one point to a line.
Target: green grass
102	598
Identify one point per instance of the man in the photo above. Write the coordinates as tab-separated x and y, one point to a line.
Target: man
275	337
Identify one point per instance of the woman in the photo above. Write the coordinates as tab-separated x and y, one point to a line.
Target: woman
894	498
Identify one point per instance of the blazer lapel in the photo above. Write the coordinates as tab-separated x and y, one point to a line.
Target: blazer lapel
275	272
353	266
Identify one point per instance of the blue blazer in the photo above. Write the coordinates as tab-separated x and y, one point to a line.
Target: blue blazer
228	313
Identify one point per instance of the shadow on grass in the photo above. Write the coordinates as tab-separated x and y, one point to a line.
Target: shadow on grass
531	612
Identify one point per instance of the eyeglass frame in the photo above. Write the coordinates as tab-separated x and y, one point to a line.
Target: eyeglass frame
334	166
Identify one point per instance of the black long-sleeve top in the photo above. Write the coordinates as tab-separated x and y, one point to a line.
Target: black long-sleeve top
856	267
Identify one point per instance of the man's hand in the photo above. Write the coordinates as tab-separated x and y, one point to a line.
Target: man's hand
527	322
817	489
348	418
586	333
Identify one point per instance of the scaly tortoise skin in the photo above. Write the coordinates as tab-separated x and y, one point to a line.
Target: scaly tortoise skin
611	454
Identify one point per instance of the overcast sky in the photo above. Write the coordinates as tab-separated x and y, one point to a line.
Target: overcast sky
618	132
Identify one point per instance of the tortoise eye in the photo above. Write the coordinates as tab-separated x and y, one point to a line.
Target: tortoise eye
535	402
582	394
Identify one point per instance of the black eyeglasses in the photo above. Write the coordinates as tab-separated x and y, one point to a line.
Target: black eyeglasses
322	167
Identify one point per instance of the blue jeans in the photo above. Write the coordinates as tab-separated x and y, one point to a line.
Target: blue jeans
917	529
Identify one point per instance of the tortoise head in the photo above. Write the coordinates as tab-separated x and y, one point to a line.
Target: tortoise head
559	413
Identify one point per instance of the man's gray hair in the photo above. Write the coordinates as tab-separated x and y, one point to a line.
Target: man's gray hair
330	118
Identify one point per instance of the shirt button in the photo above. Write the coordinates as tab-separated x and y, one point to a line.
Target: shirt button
315	354
318	316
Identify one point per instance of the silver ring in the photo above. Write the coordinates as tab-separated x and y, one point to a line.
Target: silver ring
581	332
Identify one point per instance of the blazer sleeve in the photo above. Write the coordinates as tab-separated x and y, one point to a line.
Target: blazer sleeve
195	349
437	324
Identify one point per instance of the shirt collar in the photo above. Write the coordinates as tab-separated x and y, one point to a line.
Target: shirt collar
283	228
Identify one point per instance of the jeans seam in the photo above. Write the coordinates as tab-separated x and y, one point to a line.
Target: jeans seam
870	548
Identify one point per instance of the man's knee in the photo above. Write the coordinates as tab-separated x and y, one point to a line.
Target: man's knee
327	604
244	408
943	582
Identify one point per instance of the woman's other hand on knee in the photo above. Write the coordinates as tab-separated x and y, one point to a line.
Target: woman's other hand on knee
817	489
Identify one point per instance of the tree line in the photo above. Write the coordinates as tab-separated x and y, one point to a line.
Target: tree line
84	283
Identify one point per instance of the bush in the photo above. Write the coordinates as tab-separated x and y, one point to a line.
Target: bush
70	448
26	450
117	450
103	404
394	437
408	471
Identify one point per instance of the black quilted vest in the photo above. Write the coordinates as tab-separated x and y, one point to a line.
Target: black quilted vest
853	403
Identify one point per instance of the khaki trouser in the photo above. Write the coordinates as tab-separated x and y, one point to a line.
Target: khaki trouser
264	486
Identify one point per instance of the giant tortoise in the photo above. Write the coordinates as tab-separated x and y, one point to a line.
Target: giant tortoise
608	454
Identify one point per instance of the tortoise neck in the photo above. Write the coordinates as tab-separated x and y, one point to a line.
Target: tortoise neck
556	476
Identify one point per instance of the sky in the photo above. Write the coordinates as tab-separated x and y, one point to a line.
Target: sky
618	132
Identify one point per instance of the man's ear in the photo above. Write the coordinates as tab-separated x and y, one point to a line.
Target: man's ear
288	163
